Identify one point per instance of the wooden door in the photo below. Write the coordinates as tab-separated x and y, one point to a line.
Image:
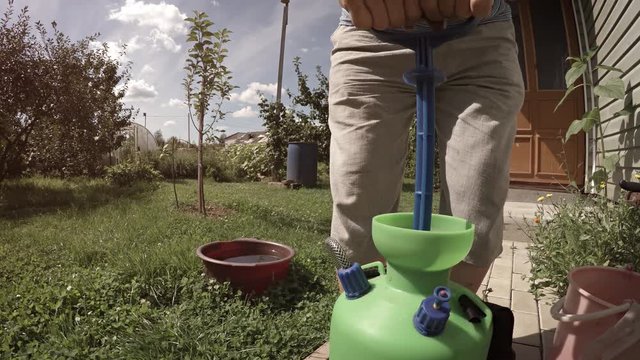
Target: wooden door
546	36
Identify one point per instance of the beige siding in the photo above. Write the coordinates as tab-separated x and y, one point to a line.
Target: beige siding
614	26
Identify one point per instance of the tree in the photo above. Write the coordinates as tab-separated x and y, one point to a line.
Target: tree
207	81
159	139
170	150
307	119
60	103
314	103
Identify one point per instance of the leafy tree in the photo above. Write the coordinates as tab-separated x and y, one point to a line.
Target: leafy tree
281	128
159	138
207	81
217	136
60	103
311	105
307	119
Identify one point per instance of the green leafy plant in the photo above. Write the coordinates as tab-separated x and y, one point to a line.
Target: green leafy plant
612	87
127	173
207	81
586	230
250	160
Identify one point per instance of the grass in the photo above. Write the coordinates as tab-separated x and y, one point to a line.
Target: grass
94	271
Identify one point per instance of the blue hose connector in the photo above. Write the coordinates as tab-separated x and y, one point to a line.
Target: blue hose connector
354	281
433	313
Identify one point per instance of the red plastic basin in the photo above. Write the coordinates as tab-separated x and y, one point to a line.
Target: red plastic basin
249	265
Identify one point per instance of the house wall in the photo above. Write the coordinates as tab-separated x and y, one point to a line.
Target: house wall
613	26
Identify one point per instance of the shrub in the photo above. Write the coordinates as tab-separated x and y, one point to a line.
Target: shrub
222	164
250	161
587	231
127	173
590	230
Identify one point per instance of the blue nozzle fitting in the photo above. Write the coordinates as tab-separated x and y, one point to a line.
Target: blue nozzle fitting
433	313
354	281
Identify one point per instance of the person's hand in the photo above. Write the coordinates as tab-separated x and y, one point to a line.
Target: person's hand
383	14
438	11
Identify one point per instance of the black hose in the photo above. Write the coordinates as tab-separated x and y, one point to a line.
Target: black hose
630	186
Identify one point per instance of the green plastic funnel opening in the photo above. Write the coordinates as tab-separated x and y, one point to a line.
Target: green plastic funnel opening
445	245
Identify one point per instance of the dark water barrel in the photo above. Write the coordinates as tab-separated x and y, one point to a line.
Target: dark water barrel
302	163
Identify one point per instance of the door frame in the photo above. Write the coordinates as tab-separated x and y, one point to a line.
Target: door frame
533	94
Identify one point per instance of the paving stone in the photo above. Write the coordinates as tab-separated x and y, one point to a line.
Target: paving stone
499	301
521	265
500	287
481	290
518	283
316	357
485	281
501	271
526	330
516	235
523	301
322	353
324	349
548	297
507	253
547	342
526	352
546	321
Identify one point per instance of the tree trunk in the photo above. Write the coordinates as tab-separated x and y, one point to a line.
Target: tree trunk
173	171
201	204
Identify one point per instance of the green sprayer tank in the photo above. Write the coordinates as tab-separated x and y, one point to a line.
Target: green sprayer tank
411	310
379	323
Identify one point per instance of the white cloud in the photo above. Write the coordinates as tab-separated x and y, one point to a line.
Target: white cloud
175	103
161	39
147	69
165	21
134	44
245	112
169	123
165	17
140	90
304	50
251	94
215	2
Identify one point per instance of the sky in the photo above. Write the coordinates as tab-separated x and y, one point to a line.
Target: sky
154	32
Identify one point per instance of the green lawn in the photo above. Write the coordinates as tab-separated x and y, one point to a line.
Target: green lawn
92	271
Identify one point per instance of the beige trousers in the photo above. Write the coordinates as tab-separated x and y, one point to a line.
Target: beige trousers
371	110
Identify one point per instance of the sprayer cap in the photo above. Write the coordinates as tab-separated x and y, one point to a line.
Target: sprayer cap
354	281
433	313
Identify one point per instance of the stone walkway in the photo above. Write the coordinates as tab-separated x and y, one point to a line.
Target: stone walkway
506	285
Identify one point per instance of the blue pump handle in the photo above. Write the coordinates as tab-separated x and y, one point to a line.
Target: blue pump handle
425	78
436	38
